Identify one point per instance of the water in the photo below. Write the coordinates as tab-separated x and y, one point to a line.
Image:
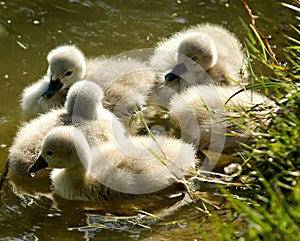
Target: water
29	29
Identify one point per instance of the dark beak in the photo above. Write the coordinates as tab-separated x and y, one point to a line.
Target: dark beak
176	72
53	87
39	164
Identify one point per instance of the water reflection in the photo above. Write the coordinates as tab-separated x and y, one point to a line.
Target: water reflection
29	29
51	217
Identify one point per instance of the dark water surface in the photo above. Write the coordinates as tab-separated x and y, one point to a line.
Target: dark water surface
30	29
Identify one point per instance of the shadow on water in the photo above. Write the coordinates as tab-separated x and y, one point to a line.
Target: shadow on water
29	29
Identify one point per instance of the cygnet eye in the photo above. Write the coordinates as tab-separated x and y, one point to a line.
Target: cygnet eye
49	153
194	58
68	73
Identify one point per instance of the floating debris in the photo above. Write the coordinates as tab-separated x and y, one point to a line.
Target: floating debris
233	169
22	45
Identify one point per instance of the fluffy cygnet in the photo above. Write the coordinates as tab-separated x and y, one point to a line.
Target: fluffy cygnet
209	115
83	109
67	65
203	54
136	166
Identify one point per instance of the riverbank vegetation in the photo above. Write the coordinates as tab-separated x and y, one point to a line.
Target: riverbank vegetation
263	202
271	209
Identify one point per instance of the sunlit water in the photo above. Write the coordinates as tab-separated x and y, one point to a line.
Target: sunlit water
29	29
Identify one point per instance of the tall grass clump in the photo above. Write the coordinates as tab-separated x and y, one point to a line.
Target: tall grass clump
272	161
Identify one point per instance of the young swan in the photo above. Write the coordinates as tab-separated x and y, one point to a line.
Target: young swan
67	65
137	166
203	54
204	116
83	109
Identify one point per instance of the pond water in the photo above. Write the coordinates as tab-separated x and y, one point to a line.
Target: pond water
29	29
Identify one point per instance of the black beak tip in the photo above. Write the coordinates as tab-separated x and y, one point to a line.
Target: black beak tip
171	77
39	164
48	94
53	87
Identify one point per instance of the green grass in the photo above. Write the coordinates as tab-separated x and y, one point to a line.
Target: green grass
272	211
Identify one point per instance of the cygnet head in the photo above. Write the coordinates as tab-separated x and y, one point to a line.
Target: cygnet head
196	52
63	147
199	48
84	100
66	66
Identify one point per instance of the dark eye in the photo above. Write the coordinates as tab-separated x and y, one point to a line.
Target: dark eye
49	153
194	58
68	73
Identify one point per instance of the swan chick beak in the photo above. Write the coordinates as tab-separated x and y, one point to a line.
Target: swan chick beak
53	87
176	72
39	164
